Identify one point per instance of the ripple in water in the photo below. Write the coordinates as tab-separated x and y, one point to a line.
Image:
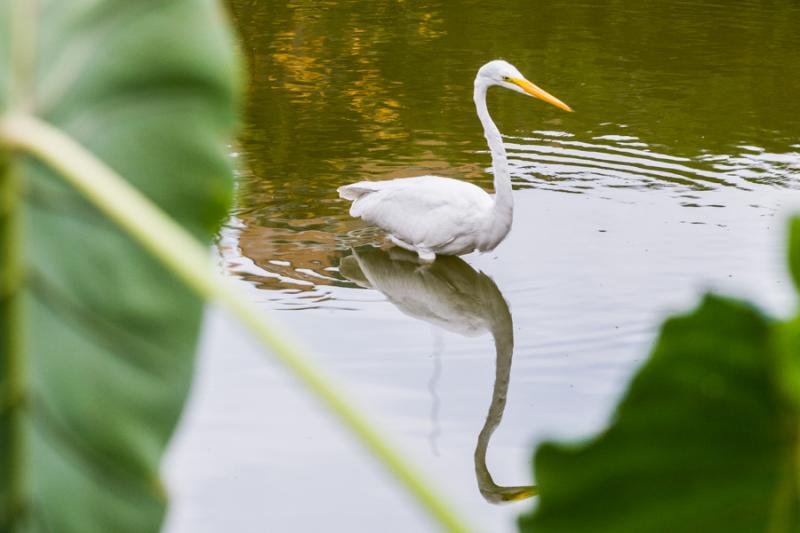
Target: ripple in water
296	260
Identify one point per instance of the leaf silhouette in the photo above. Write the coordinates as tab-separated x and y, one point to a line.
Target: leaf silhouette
704	440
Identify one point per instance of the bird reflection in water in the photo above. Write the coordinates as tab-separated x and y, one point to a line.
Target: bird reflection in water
452	295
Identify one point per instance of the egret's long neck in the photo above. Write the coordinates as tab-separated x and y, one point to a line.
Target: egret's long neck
503	202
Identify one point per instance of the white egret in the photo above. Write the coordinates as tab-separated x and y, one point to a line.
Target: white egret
433	215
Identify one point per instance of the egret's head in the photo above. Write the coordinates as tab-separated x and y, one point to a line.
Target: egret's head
504	74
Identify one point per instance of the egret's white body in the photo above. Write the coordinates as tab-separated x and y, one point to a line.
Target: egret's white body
433	215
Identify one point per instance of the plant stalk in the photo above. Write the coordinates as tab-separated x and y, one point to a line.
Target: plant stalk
189	260
12	364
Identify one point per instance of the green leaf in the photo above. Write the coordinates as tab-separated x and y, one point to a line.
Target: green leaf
97	338
704	440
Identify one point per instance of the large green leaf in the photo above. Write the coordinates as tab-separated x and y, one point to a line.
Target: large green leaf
704	440
96	338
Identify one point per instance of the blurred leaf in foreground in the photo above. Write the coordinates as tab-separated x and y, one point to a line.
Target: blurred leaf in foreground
97	337
704	440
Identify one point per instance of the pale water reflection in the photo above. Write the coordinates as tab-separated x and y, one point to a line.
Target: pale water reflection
452	295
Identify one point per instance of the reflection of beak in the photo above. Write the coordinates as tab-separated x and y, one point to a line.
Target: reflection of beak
522	494
541	94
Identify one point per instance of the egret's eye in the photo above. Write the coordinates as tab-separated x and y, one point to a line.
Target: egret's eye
506	78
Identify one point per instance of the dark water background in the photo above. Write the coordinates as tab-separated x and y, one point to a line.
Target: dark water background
673	176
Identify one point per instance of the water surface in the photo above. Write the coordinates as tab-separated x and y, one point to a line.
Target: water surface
672	177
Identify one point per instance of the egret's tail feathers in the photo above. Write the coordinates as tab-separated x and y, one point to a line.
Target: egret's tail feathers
356	190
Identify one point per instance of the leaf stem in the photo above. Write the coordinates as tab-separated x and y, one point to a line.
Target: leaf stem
176	249
12	363
14	387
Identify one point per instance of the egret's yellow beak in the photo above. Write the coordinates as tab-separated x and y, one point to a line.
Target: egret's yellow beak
541	94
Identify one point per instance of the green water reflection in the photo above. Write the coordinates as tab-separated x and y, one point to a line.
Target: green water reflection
673	94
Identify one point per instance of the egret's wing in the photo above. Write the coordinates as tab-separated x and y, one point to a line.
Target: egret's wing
428	211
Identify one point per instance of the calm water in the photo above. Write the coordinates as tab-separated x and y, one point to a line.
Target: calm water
673	176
